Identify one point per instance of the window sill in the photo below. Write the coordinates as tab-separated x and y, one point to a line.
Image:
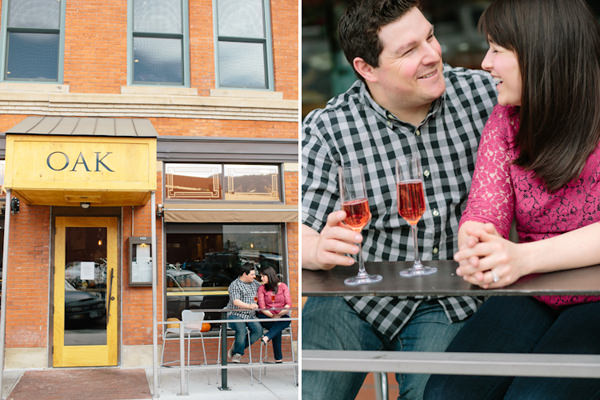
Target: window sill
258	94
159	90
33	87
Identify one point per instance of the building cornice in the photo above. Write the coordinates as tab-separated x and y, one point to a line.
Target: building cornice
146	104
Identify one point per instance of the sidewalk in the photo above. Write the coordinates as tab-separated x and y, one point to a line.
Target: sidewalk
277	384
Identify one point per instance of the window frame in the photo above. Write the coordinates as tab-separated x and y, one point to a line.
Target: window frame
268	47
185	44
4	43
280	182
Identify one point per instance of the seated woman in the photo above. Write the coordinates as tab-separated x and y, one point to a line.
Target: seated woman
274	301
539	164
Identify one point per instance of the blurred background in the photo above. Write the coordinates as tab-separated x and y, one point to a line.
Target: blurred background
325	71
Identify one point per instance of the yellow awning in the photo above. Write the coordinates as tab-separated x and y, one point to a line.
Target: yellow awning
68	161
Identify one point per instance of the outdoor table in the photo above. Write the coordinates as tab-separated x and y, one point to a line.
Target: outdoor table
580	281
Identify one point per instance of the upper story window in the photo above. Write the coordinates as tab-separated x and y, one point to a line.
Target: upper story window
231	182
243	45
159	42
33	40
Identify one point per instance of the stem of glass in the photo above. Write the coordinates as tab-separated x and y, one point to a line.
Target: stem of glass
417	264
361	265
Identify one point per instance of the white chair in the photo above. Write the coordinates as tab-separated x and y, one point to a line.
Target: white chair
286	332
192	323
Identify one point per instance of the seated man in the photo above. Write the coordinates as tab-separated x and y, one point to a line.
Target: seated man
242	296
406	101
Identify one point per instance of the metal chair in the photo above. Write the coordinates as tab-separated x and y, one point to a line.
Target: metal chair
192	323
286	332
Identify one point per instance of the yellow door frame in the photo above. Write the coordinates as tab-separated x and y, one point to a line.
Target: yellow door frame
93	355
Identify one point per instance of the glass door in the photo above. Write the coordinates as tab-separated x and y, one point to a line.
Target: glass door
85	292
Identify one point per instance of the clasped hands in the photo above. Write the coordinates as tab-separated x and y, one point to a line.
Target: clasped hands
485	258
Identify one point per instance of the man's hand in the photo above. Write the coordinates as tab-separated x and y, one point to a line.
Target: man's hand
253	306
327	249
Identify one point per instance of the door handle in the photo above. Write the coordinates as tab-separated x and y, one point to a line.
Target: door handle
110	297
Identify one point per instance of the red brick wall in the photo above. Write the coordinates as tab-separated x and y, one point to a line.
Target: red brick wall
27	278
225	128
95	58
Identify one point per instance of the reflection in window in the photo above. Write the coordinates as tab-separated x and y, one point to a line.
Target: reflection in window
243	47
210	258
32	40
193	181
158	42
233	182
257	182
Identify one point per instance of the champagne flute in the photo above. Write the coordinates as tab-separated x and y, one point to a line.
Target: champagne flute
354	202
411	206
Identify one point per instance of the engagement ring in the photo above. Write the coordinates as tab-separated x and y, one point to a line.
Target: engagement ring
494	276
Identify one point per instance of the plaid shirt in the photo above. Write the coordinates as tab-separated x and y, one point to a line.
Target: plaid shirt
245	292
354	129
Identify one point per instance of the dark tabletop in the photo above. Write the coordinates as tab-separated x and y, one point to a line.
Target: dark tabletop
580	281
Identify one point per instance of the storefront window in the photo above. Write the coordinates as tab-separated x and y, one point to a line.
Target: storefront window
252	183
206	258
232	182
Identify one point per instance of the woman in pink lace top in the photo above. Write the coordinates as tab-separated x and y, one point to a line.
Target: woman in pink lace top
538	163
274	300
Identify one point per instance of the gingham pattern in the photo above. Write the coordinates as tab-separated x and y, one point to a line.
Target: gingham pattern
245	292
354	129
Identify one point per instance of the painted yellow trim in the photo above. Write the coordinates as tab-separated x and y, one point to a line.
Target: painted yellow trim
84	356
68	170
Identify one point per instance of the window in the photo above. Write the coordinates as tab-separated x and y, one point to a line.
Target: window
207	257
159	43
231	182
243	44
33	37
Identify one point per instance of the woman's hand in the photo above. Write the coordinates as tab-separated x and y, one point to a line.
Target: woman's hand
499	260
466	240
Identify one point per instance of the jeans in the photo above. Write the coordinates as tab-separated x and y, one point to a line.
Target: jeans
241	340
523	325
329	323
275	328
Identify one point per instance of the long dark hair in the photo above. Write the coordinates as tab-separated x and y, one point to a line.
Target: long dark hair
557	43
273	279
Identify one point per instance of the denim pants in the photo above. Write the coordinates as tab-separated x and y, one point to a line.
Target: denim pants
275	328
329	323
241	340
523	325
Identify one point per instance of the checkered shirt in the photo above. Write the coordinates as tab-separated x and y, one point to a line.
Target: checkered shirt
354	129
245	292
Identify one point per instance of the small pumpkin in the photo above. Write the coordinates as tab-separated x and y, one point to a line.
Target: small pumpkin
172	325
205	327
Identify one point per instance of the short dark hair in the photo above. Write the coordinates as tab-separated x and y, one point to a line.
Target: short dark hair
246	268
359	27
557	43
273	279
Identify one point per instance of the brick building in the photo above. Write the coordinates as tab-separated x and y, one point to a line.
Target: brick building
105	105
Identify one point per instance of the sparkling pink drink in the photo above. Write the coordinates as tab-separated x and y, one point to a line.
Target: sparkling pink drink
357	214
411	200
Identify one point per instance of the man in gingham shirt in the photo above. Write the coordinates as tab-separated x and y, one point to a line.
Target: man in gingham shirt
242	296
405	102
